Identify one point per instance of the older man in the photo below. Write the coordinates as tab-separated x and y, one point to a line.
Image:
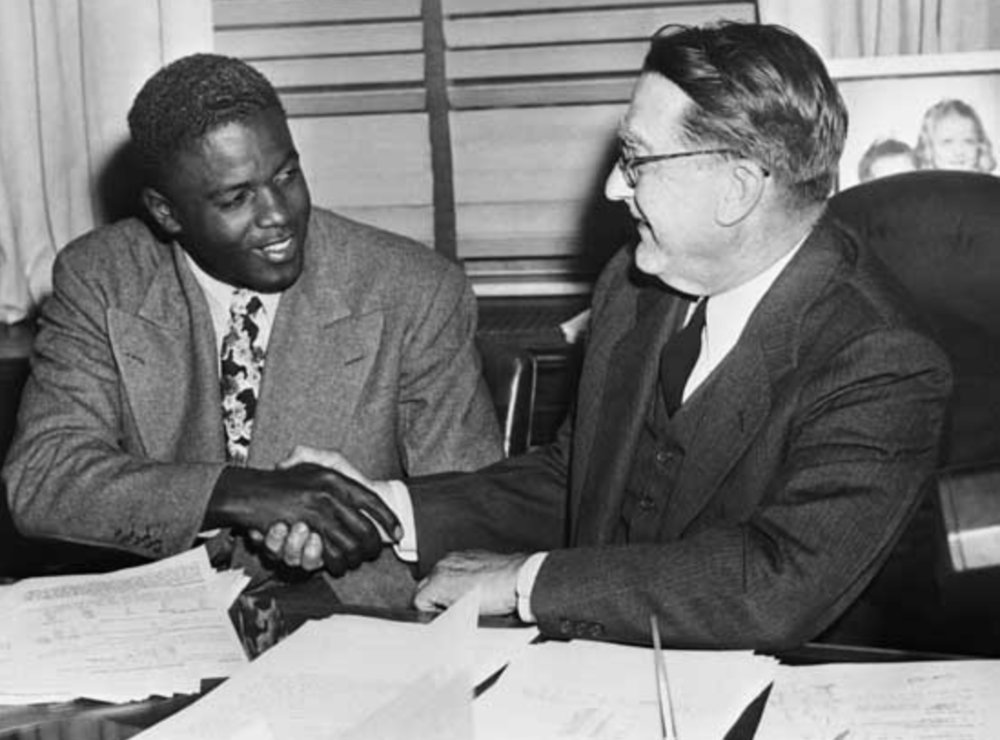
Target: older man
180	359
757	414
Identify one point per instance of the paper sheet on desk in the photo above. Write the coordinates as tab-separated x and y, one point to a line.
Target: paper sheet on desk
155	629
601	691
924	700
357	677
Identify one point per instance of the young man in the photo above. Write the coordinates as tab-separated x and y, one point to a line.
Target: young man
179	360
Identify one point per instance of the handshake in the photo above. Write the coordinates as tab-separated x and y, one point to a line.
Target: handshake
314	510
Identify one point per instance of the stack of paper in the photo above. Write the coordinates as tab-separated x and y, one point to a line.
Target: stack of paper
157	629
601	691
356	678
924	700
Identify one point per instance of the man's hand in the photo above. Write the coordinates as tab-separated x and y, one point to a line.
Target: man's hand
299	546
324	507
457	573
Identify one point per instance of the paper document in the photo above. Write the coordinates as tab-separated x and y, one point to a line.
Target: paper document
926	700
154	629
601	691
356	677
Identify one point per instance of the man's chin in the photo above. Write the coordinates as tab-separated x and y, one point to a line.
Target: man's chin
649	259
277	279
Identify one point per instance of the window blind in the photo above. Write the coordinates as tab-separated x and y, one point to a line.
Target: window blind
351	76
537	90
525	95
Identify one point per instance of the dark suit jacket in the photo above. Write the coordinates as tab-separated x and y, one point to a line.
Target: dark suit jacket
120	437
819	431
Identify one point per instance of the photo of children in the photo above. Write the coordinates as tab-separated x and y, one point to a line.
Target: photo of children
952	137
886	157
921	112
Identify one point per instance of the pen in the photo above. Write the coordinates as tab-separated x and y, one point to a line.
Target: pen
668	730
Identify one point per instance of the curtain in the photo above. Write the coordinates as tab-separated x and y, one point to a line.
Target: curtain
68	72
857	28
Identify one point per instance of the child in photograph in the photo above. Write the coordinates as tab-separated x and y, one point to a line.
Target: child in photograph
952	137
886	157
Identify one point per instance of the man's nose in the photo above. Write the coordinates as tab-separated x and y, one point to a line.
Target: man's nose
272	208
615	186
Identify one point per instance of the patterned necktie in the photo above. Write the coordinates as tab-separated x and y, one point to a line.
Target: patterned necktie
242	365
679	356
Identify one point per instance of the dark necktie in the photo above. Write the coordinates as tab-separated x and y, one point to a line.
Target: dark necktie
242	365
679	356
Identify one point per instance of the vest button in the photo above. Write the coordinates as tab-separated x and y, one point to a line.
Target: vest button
663	457
646	503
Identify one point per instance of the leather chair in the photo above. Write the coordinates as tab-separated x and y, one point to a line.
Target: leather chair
511	375
939	233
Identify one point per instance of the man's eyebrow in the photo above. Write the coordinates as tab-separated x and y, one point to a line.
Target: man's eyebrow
291	159
223	191
628	139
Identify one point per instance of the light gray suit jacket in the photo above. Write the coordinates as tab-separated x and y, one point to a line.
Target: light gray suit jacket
817	435
119	438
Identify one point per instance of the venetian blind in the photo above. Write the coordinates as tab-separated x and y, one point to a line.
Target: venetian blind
484	127
351	75
537	89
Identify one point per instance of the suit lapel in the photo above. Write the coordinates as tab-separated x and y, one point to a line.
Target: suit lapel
169	367
618	413
736	403
322	347
738	397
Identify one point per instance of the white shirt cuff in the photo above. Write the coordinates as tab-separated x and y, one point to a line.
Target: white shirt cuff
397	497
526	576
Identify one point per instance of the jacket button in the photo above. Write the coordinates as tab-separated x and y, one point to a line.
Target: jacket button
663	457
646	503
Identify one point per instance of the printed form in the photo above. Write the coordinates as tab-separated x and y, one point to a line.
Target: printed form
156	629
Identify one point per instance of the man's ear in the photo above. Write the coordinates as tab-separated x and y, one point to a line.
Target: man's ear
743	192
161	210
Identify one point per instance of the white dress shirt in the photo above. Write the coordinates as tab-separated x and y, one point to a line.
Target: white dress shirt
220	295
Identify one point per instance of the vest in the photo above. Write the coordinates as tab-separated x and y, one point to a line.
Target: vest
656	465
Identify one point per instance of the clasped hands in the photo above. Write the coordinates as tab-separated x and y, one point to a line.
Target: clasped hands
313	514
331	516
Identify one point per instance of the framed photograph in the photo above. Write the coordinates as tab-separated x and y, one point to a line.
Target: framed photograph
930	111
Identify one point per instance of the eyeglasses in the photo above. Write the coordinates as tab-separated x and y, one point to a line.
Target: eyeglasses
629	166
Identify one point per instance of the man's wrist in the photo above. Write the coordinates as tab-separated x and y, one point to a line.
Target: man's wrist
228	505
396	496
526	576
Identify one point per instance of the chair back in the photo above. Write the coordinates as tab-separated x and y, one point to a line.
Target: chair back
939	233
511	375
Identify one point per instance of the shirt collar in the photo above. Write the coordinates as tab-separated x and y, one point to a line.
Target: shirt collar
727	313
220	294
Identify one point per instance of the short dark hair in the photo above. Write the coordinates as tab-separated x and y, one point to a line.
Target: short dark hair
760	90
188	98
